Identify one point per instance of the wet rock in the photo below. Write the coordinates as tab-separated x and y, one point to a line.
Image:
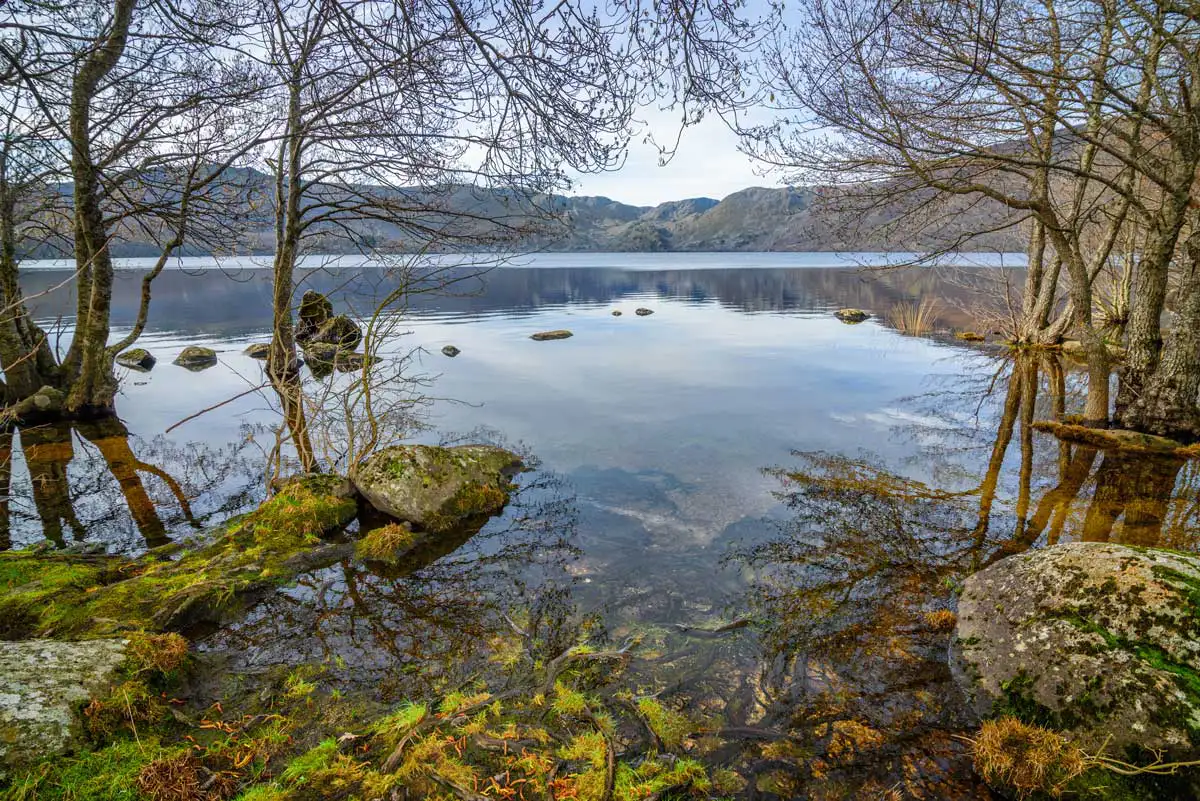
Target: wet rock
1100	641
970	336
616	313
43	686
258	350
437	488
352	362
561	333
644	312
138	359
339	331
196	357
315	310
851	316
451	351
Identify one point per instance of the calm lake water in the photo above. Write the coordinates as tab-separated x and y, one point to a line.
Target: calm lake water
738	457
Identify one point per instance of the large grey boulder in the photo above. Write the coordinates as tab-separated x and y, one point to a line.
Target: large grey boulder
436	488
1099	641
43	686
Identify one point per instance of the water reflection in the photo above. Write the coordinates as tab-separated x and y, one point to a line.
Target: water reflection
92	484
850	586
444	614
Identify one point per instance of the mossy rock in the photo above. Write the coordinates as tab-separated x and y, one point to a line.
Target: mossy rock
258	350
970	336
340	331
436	488
196	357
542	336
644	312
451	351
1098	641
315	311
851	316
138	359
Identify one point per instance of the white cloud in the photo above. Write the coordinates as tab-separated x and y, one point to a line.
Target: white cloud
707	163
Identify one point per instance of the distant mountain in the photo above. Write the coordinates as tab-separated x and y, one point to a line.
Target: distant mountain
753	219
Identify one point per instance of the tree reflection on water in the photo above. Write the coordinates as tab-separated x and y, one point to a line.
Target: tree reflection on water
854	664
93	484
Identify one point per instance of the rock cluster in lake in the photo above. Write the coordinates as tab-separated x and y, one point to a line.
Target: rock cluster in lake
327	339
1096	640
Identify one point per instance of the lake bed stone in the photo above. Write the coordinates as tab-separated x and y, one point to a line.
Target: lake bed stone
258	350
196	357
851	316
451	351
542	336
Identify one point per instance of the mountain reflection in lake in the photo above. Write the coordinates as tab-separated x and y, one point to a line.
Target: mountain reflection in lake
767	507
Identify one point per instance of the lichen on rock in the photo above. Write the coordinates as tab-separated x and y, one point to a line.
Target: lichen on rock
1099	641
43	684
437	488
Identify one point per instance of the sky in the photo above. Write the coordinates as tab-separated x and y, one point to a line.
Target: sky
706	164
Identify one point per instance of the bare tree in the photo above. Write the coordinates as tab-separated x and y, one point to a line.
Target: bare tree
1076	118
138	111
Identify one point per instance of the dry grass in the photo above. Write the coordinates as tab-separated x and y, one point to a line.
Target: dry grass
941	620
914	319
158	652
1029	759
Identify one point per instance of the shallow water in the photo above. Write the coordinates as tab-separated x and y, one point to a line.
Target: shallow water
739	456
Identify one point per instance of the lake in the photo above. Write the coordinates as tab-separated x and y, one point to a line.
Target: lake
773	504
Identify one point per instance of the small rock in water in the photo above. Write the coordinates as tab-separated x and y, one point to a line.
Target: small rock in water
644	312
451	351
851	316
259	350
970	336
561	333
196	357
616	313
138	359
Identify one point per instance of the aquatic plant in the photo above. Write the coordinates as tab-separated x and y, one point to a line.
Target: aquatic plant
914	319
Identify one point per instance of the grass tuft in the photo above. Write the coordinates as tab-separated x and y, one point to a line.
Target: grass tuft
1028	759
914	319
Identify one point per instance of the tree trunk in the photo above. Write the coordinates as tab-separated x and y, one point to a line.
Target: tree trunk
1167	401
88	366
282	364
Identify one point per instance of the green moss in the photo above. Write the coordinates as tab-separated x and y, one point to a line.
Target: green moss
63	595
107	774
670	727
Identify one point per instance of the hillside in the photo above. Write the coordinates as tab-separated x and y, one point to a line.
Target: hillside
753	219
